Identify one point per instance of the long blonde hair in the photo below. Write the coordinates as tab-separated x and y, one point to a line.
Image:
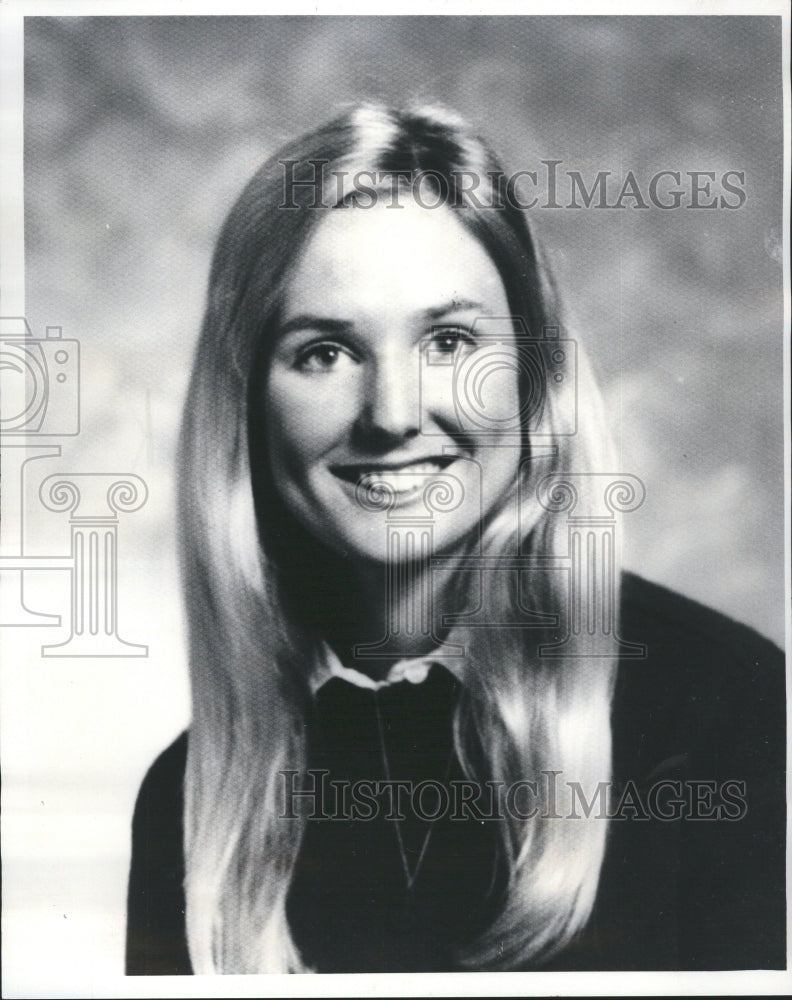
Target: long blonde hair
251	652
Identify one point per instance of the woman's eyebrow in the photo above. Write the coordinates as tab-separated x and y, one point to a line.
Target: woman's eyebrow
454	305
307	321
328	325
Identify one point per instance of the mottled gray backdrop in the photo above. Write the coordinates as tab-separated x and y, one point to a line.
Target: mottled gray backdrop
140	132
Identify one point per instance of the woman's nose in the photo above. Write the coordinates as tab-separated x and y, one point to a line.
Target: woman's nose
391	398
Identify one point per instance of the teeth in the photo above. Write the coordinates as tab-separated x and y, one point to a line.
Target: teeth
406	480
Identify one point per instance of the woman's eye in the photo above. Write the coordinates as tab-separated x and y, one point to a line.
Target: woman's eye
321	357
447	341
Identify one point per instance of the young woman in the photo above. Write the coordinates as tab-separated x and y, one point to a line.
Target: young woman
433	727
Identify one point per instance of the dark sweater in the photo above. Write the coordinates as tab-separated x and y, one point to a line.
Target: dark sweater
703	714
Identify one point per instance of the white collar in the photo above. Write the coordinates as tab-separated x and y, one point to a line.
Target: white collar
413	669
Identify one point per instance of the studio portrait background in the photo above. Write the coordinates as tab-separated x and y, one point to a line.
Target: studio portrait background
140	132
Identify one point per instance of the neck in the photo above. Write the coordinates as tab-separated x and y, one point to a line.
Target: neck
389	611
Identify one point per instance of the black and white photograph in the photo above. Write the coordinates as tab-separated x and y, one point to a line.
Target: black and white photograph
395	565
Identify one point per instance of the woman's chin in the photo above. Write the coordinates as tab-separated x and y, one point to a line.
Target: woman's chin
400	545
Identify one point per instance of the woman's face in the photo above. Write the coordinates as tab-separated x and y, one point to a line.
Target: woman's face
393	377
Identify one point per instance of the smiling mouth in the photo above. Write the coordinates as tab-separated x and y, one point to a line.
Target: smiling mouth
401	478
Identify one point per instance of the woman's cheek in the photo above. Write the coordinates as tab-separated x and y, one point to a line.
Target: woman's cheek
478	392
438	391
486	390
306	415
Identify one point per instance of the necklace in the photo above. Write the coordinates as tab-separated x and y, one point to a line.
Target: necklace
409	876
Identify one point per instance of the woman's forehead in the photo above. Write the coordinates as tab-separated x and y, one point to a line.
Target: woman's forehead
386	258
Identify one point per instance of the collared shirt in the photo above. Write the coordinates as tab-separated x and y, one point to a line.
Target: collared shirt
707	704
414	669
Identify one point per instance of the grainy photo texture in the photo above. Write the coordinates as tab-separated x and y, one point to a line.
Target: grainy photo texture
394	498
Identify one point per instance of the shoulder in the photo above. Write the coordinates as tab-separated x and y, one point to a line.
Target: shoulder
669	617
697	676
689	646
158	820
699	718
162	785
156	941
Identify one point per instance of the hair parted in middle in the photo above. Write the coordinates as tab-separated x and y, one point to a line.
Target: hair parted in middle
254	645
